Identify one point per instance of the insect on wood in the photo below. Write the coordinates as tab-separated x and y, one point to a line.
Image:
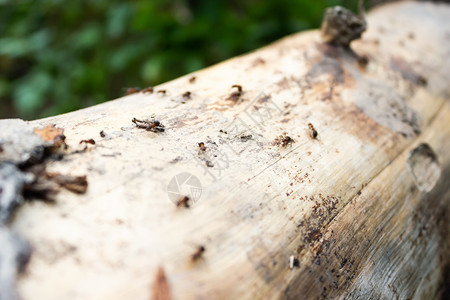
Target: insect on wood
198	254
149	125
312	131
202	146
284	140
183	202
236	95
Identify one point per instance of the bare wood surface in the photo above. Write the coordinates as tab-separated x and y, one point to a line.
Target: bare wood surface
350	204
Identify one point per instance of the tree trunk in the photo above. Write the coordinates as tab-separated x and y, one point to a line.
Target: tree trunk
326	176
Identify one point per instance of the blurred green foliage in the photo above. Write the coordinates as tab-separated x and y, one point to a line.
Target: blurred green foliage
57	56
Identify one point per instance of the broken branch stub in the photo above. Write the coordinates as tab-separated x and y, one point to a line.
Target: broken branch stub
341	26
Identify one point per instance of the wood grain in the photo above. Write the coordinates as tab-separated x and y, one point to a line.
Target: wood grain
345	203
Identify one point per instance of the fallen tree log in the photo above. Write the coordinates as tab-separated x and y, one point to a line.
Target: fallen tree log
295	171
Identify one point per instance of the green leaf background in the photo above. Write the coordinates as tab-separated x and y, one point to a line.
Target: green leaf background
57	56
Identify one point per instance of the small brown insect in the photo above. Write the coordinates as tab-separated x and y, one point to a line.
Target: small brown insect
102	134
132	90
162	92
245	138
148	90
183	202
236	94
90	141
187	95
312	131
192	79
202	146
284	140
199	253
153	126
239	87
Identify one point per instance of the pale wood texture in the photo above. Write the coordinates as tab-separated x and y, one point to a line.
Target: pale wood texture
345	203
